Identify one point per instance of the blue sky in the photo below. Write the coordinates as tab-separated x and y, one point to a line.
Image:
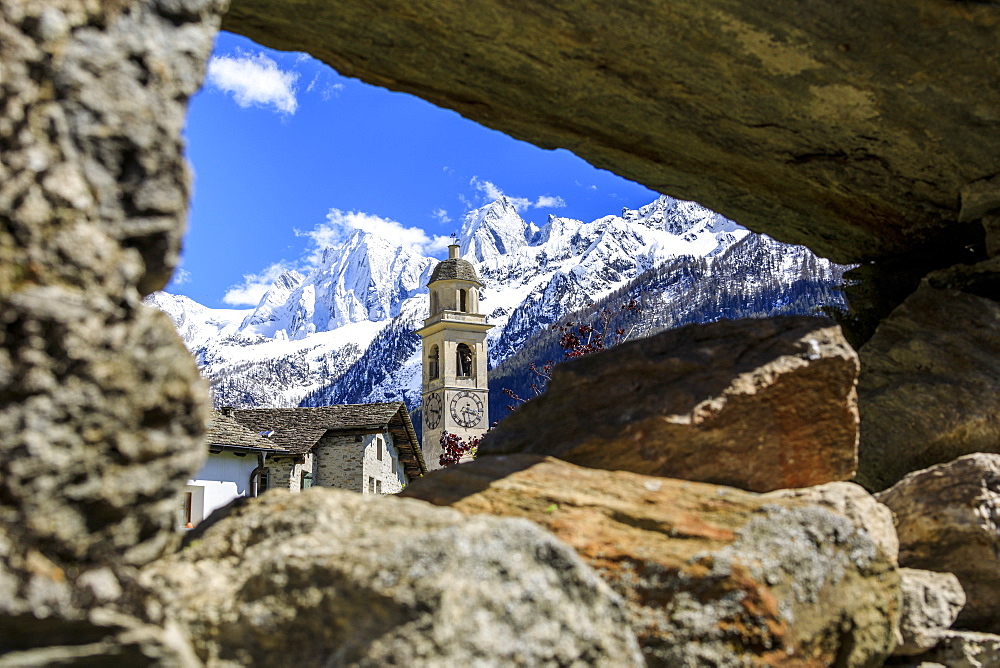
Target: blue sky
289	155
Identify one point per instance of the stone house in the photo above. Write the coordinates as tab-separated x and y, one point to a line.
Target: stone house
366	448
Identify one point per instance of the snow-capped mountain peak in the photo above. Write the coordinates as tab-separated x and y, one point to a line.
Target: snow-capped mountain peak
344	331
364	279
492	230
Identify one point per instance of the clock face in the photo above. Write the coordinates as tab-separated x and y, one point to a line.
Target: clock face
432	411
467	409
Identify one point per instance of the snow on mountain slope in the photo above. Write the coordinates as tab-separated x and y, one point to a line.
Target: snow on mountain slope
344	331
197	324
364	280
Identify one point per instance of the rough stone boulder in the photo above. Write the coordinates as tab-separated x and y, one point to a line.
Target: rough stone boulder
755	404
931	603
713	576
930	384
854	503
101	408
329	577
948	520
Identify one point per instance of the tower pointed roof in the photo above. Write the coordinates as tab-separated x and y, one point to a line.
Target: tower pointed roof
454	268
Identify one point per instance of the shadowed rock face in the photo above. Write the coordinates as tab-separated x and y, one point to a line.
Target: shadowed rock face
931	383
852	127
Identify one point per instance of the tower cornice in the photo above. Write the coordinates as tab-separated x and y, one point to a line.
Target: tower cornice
455	320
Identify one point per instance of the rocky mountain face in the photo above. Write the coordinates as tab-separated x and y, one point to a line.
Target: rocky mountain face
344	332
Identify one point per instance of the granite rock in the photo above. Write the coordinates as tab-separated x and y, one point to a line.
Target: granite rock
101	409
330	577
931	602
856	504
948	520
712	576
964	649
929	390
756	404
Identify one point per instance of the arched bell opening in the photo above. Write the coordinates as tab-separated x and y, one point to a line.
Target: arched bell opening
433	363
465	361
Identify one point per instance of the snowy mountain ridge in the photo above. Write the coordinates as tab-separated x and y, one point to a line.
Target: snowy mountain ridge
344	331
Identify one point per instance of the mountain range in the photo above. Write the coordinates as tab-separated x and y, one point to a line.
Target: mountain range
344	330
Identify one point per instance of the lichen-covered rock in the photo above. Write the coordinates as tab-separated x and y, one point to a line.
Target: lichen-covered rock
328	577
713	576
931	603
756	404
101	408
53	614
948	520
929	390
854	503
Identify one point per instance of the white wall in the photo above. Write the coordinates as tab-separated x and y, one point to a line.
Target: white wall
223	478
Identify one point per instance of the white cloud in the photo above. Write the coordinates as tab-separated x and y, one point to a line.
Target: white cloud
331	90
340	225
549	202
253	287
254	80
442	216
491	193
180	277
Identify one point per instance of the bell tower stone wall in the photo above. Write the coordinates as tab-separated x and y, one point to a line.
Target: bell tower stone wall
454	386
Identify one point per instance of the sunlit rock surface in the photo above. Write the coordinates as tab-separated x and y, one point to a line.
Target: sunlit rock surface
333	578
757	404
713	576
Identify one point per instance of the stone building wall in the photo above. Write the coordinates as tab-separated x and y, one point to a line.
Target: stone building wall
287	472
339	462
354	463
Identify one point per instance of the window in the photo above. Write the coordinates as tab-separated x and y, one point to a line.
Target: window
378	486
434	302
378	448
433	363
306	480
463	298
191	509
185	519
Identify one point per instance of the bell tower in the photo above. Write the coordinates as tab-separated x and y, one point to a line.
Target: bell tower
454	388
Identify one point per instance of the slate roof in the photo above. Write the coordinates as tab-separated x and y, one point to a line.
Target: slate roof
454	268
225	431
299	429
